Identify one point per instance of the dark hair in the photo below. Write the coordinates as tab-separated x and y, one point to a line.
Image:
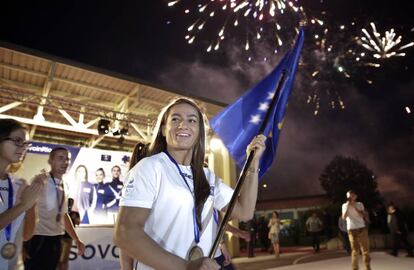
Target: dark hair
86	171
101	169
159	144
276	213
392	204
7	126
140	151
54	150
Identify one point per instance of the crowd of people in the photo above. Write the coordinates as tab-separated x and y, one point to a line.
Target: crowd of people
168	207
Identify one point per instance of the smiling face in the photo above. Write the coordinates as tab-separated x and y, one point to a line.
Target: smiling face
100	175
9	151
181	128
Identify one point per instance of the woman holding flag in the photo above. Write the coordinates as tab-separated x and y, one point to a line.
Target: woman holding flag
167	207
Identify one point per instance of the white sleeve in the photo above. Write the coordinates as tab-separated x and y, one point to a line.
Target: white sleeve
142	184
222	193
360	206
344	208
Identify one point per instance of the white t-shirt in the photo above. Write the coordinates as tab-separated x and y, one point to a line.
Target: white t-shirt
155	183
48	208
353	220
17	224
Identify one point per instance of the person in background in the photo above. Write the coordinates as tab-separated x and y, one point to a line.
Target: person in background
17	199
43	249
252	227
274	231
66	239
398	229
153	224
314	227
353	213
263	233
343	232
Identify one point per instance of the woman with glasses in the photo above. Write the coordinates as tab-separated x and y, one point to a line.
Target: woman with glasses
17	199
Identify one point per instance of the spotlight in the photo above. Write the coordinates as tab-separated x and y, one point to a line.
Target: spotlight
103	126
124	131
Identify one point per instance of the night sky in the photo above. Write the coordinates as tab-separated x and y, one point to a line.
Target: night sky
145	39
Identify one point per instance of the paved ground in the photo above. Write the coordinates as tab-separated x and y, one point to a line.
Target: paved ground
337	260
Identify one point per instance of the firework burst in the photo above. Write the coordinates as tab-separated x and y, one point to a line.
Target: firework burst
381	47
252	21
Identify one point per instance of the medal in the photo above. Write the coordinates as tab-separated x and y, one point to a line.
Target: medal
59	202
195	253
8	250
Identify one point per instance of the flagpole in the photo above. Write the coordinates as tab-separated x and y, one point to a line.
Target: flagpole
246	166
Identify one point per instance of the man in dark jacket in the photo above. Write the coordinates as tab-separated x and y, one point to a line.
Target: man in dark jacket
398	230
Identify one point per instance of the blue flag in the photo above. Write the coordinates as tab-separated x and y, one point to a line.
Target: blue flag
239	122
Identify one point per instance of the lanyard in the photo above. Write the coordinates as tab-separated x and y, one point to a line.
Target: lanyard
8	230
196	228
60	204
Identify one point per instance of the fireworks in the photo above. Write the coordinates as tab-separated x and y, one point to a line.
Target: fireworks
382	47
252	21
326	61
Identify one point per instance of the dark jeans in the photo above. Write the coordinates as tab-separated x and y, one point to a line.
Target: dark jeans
397	239
43	252
315	240
220	261
345	241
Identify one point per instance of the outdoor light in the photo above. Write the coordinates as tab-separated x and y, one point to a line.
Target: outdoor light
215	144
103	126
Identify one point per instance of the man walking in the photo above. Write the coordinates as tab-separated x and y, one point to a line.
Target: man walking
398	230
314	226
353	213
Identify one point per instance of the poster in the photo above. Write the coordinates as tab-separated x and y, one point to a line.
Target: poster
94	179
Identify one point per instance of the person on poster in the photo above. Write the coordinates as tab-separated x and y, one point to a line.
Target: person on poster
103	195
84	195
160	221
115	186
44	248
17	199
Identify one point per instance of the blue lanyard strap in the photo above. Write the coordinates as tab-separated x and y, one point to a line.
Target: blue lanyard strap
60	203
8	230
196	228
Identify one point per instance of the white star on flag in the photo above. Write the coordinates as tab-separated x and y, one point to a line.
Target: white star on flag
255	119
270	95
263	106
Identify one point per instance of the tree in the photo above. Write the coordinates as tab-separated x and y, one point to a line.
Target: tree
346	173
